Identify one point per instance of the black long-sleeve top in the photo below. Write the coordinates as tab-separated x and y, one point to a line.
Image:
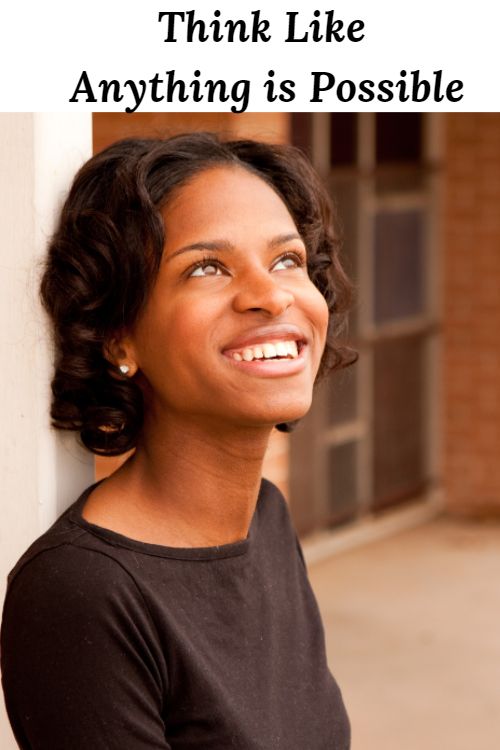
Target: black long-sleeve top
109	643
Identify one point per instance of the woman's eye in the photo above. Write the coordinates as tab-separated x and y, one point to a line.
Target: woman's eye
287	262
207	268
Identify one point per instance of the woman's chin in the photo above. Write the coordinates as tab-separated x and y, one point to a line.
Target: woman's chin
279	414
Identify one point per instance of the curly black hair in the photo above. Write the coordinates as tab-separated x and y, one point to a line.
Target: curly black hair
105	253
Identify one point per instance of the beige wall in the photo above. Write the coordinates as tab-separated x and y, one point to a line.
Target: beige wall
41	471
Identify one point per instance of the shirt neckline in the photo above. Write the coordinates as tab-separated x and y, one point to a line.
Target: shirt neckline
233	549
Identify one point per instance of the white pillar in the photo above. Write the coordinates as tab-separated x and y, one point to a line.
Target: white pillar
41	469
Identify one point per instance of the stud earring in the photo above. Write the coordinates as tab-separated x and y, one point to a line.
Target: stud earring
124	369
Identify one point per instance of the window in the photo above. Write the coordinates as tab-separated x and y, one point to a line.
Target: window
369	440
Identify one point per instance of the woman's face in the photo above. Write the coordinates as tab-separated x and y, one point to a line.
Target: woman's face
233	330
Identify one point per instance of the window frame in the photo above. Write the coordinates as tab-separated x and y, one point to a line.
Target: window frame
310	501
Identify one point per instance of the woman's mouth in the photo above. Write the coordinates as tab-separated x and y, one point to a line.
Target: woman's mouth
268	350
274	358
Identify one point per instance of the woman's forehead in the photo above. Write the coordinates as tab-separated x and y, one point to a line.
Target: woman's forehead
225	199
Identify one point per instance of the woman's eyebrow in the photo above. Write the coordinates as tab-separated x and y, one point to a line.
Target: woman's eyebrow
203	245
214	245
281	239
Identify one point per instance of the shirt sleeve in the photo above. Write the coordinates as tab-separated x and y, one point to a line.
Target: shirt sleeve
82	665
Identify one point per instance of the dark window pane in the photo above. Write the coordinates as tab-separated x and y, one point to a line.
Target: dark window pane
399	137
342	471
399	265
401	180
343	138
398	424
302	131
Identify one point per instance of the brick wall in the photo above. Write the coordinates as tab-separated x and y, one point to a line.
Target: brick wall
273	127
111	126
471	310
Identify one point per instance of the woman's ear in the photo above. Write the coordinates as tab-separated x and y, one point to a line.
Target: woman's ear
118	350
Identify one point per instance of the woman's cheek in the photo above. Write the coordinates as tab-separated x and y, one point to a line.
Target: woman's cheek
318	312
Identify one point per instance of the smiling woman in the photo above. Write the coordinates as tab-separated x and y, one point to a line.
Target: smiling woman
196	296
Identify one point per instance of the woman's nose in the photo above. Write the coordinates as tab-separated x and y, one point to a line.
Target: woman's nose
263	292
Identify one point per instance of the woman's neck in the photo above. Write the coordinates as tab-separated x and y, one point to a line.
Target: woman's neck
189	484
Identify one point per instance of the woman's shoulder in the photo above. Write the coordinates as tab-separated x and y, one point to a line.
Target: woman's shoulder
77	641
275	520
272	503
56	575
66	559
278	520
63	591
271	495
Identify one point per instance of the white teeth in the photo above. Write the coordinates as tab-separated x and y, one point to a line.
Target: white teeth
269	350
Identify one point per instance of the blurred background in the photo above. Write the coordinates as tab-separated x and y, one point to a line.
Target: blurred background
393	479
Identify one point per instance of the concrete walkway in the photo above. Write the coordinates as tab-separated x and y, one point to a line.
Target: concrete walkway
413	636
